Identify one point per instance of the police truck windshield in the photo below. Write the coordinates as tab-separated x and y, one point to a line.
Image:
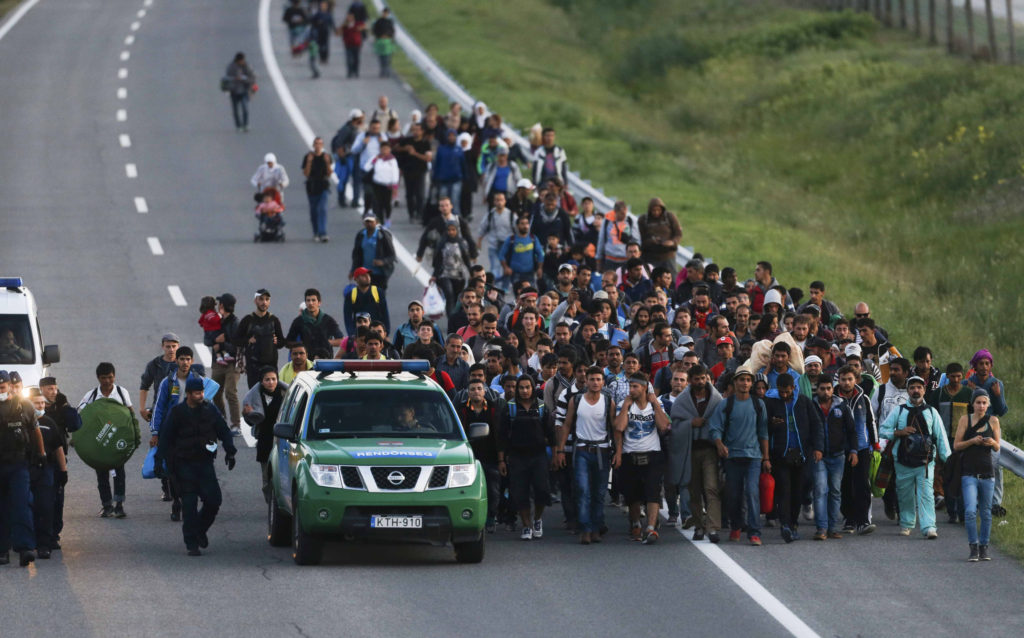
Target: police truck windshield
16	345
375	413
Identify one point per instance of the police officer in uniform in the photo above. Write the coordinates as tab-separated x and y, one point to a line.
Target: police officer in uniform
188	446
66	418
19	438
43	476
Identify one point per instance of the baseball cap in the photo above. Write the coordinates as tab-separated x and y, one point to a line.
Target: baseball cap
262	292
685	340
813	359
565	266
360	271
852	350
270	157
600	294
524	183
170	336
813	308
363	315
915	379
740	372
193	384
227	299
369	215
723	341
354	113
679	353
414	302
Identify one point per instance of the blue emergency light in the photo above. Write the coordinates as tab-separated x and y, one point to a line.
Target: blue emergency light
11	282
361	365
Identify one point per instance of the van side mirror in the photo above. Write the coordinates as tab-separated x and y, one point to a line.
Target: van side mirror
284	431
51	354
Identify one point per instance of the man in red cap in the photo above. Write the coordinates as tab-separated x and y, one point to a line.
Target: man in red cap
362	296
726	361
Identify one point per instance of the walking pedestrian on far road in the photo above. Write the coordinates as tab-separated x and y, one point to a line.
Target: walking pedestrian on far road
978	437
240	83
352	37
270	174
262	405
345	160
188	446
384	44
259	336
363	296
317	166
224	370
384	169
314	328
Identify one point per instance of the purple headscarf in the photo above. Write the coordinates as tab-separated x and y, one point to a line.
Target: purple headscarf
979	355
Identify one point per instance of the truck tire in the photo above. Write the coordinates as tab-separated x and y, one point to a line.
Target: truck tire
278	524
471	552
306	550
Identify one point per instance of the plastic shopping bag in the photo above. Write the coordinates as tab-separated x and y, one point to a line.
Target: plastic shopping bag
433	302
149	465
767	489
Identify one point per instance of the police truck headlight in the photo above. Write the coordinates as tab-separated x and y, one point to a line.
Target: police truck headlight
462	475
326	475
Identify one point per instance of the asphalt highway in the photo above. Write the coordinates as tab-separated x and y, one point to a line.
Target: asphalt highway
70	224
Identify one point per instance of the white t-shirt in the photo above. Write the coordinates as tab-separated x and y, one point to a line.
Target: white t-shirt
590	421
641	433
118	394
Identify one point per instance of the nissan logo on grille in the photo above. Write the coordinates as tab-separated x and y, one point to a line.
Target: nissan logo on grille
396	478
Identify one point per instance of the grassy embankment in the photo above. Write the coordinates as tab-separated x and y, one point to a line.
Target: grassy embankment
835	149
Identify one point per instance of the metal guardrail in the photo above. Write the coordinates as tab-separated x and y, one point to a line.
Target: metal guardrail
1012	458
455	92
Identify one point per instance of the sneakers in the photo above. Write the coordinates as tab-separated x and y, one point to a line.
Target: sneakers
236	431
835	535
713	538
689	522
194	551
808	512
651	536
119	511
698	534
673	520
107	511
983	552
819	535
787	535
904	531
849	528
635	532
973	558
864	530
796	535
931	534
755	541
734	536
538	528
527	533
940	500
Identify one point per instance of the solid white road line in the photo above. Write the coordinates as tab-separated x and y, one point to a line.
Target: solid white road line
303	127
176	296
790	621
122	93
246	429
16	17
122	115
131	171
135	26
122	73
128	41
203	354
140	205
126	142
125	55
154	245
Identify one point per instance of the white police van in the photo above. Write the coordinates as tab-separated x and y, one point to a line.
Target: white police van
21	343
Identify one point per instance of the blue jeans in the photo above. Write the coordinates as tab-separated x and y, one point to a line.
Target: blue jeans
318	213
16	527
977	494
591	478
828	493
357	181
494	254
453	191
741	475
240	109
352	62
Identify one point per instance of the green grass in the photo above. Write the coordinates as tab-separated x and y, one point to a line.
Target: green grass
1010	537
7	5
834	148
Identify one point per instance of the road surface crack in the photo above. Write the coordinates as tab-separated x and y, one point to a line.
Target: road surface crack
299	629
265	568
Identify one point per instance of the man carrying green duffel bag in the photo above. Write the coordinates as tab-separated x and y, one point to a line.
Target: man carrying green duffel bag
108	437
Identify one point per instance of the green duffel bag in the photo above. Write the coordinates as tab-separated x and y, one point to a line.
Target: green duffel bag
109	435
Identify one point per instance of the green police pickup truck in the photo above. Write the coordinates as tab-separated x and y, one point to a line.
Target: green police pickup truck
373	451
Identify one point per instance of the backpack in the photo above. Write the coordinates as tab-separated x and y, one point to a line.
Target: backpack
373	292
917	449
519	437
758	407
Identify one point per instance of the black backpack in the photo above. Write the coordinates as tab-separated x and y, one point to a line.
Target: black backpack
758	406
917	449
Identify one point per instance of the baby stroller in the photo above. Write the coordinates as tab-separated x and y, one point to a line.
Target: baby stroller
269	213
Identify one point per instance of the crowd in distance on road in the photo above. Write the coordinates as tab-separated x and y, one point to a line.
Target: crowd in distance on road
596	363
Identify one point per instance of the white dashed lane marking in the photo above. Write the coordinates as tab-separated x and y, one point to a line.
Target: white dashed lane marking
122	93
125	55
154	245
140	205
124	140
122	73
122	115
131	171
142	13
129	40
176	296
135	26
204	354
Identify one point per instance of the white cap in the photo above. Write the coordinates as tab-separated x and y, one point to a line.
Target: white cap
354	113
524	183
852	349
270	157
813	359
773	296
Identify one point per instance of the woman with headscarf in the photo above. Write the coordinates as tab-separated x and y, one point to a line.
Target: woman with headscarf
260	409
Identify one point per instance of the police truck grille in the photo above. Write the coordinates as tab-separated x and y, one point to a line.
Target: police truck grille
351	477
395	478
439	477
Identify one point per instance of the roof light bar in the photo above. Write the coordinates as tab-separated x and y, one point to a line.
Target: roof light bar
11	282
360	365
